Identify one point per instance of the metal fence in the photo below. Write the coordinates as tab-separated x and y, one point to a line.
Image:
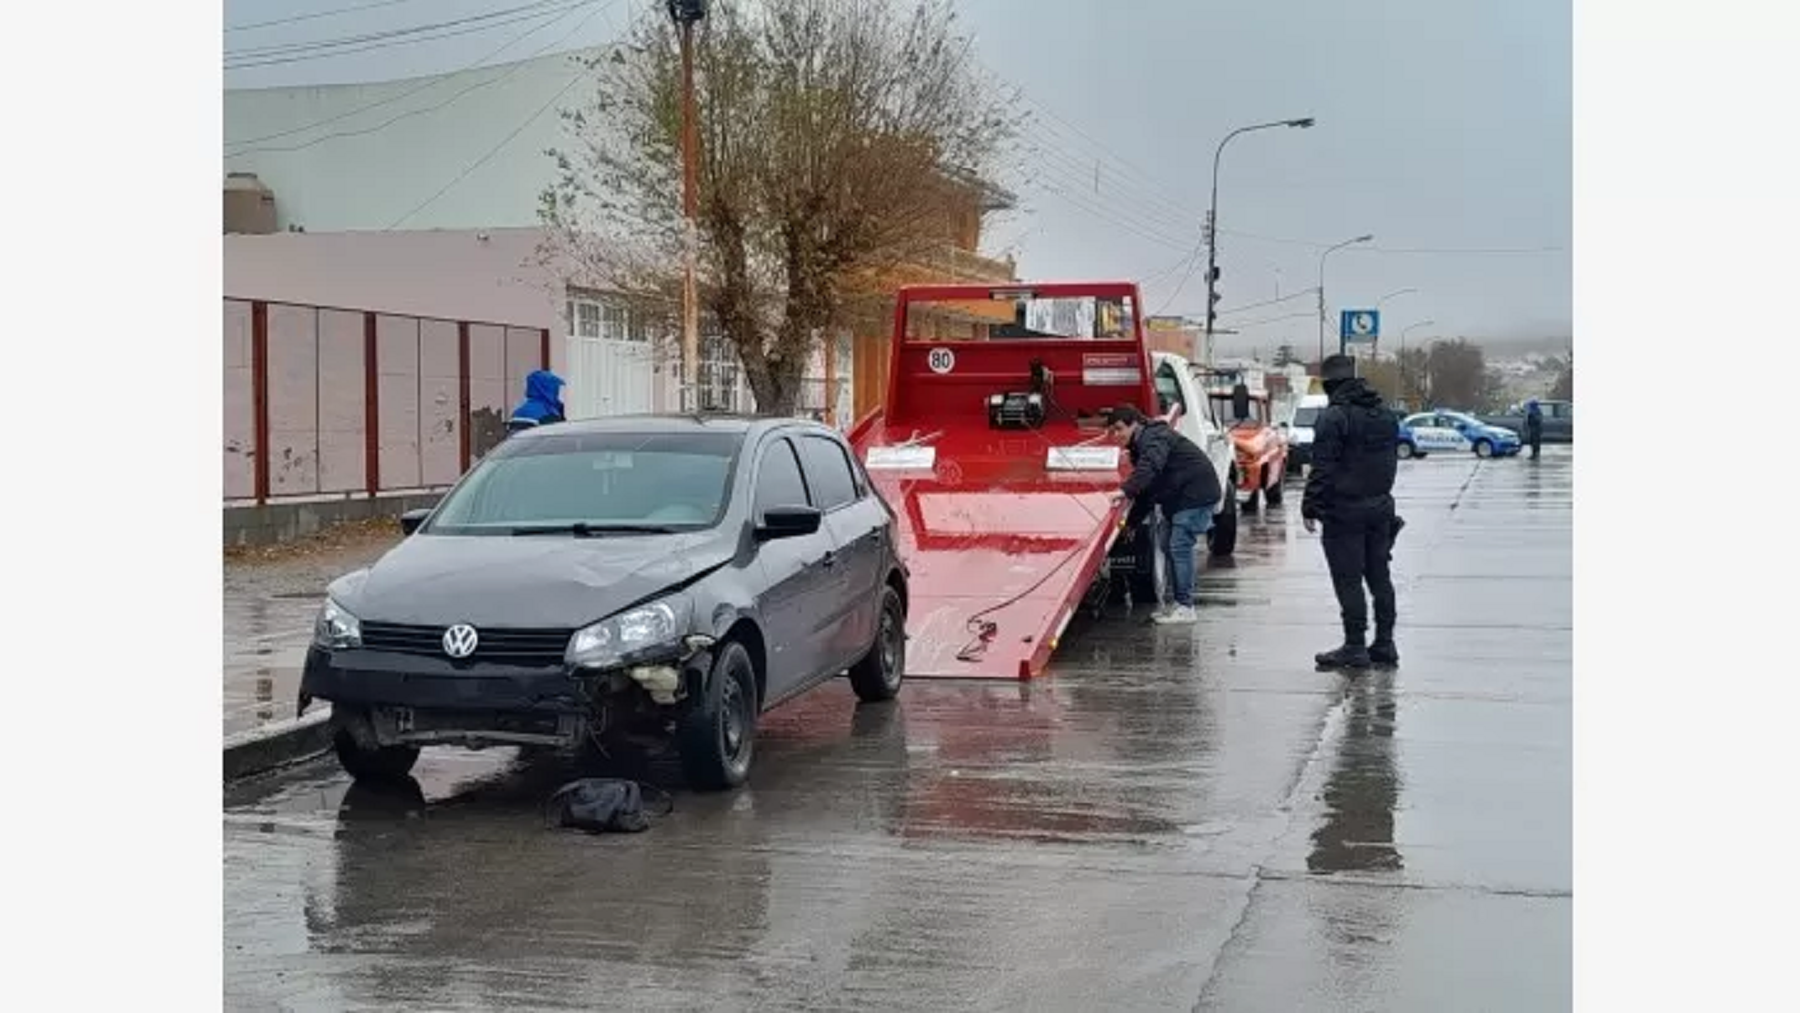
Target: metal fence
323	402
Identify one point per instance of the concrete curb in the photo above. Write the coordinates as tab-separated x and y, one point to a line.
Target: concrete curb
279	744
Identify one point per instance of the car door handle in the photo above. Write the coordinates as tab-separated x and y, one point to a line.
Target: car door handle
830	560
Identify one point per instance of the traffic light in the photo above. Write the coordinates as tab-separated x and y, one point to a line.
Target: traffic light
1215	273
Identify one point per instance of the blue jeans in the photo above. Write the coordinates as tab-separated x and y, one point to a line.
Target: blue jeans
1186	529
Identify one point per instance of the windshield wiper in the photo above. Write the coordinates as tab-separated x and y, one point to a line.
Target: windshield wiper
583	529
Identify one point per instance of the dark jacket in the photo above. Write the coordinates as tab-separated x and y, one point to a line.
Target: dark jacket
1168	471
1354	456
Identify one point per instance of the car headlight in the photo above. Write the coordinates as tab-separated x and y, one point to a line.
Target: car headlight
611	641
336	628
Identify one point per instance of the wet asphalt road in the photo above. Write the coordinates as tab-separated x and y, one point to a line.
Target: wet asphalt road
1173	820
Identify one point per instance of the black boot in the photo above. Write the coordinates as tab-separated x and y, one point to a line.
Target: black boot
1382	651
1351	656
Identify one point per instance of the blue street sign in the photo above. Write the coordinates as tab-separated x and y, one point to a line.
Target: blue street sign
1359	326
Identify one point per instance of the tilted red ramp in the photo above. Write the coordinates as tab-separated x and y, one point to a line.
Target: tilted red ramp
1002	547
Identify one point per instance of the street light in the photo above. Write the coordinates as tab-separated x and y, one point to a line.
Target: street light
1375	351
1328	252
1212	222
685	13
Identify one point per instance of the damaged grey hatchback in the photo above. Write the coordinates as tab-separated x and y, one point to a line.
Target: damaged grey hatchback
602	581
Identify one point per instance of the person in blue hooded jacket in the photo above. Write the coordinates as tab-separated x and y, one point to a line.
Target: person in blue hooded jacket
543	402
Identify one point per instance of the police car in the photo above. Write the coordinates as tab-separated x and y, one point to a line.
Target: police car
1428	432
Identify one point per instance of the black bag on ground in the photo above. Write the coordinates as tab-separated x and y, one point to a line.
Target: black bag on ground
599	805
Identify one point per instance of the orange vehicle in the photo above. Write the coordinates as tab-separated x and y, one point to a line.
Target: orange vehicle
1260	447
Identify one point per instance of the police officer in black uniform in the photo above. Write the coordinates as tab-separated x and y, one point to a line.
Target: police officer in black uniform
1350	492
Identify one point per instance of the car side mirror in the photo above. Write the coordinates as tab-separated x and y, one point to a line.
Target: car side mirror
410	520
788	522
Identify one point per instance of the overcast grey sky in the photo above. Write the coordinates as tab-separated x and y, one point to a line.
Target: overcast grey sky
1444	128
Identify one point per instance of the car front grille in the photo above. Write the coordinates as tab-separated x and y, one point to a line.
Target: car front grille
536	648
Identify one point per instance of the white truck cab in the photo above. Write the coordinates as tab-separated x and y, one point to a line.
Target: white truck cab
1187	409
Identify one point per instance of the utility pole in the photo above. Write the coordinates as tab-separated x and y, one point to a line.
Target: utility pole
685	14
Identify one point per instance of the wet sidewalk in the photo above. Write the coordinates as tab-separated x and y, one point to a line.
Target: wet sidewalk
271	599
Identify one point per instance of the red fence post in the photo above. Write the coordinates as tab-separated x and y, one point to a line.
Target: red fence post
259	394
371	408
544	346
462	387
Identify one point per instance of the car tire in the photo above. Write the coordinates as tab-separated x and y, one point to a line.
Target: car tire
1254	502
1484	448
1406	450
384	763
1272	492
717	736
877	675
1221	540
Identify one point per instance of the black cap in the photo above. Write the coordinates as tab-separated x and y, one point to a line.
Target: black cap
1337	367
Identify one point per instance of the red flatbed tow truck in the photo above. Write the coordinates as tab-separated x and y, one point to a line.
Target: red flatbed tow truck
992	452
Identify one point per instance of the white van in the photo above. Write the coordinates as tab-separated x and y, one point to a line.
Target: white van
1300	431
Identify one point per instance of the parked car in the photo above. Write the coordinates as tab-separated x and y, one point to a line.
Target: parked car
1260	448
1451	430
1559	420
618	579
1300	431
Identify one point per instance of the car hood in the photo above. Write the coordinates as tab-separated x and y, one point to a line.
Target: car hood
542	581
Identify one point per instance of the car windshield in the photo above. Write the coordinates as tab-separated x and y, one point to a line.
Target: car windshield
1306	416
1222	407
1459	419
1024	317
591	483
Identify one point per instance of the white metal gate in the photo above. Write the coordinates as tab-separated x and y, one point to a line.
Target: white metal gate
612	362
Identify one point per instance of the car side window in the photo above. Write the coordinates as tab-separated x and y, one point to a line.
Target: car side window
1168	389
828	472
778	480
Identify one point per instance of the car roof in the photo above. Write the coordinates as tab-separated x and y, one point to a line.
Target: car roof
746	425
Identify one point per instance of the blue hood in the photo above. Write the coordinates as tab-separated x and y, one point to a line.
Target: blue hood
543	397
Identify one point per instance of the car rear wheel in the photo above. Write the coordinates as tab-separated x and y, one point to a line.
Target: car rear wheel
1406	450
878	674
383	763
1221	540
1483	448
1273	492
1147	582
717	736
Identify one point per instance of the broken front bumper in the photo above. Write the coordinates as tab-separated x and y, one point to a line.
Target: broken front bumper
387	699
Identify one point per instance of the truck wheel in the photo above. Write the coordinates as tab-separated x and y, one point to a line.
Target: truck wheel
1148	581
384	763
876	676
1484	449
1221	541
1406	450
717	735
1273	493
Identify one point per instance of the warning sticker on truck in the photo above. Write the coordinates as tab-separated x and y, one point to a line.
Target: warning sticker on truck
1111	369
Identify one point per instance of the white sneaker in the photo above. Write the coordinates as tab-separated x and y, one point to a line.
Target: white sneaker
1177	615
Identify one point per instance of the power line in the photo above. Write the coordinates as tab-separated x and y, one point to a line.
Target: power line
277	48
1271	302
535	14
1472	251
514	69
491	152
352	9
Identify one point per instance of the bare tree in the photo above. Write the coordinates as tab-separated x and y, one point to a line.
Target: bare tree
834	136
1456	374
1564	387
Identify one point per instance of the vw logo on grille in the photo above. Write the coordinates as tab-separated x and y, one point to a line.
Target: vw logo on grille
460	640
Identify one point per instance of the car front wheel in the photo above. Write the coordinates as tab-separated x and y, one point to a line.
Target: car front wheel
717	736
1406	451
878	674
1484	449
383	763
